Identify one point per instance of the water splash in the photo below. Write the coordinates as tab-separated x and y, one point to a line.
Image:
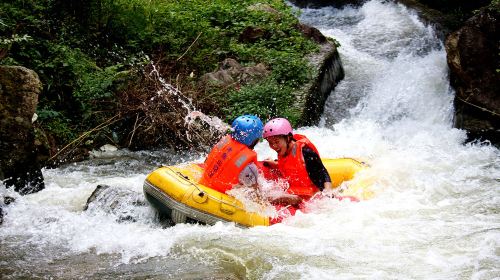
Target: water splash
171	92
199	127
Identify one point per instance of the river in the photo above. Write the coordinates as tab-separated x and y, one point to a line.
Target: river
435	214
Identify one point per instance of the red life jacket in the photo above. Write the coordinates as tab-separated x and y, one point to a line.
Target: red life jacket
293	168
224	164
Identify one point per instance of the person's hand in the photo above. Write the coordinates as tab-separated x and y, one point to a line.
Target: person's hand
287	199
327	186
295	200
328	191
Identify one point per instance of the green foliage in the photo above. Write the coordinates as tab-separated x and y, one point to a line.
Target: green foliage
79	48
6	43
56	123
96	91
494	6
265	99
74	86
173	27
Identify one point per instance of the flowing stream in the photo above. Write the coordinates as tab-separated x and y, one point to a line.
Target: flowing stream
435	214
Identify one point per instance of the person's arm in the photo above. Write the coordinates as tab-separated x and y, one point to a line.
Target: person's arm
316	170
328	186
248	177
286	199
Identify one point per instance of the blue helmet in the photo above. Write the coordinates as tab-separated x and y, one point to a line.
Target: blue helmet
247	129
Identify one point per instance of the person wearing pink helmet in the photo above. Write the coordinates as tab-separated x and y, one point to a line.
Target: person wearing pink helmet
298	159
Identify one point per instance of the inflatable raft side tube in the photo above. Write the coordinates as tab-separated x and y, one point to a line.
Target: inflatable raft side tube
178	211
342	169
176	188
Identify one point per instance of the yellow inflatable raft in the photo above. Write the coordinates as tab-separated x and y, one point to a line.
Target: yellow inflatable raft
175	191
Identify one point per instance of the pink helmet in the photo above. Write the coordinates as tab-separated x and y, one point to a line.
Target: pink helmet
277	126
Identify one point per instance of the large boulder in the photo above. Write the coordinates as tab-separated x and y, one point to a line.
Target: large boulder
121	204
19	90
472	53
4	201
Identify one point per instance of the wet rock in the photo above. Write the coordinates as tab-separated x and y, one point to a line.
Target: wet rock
123	204
472	54
96	193
19	167
312	33
311	98
263	8
6	201
231	73
252	34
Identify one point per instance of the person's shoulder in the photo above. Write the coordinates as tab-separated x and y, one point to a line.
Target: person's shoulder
298	136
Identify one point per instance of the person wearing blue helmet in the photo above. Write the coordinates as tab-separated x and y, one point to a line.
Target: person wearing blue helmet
232	161
247	129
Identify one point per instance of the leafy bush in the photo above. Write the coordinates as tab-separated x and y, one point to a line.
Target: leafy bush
56	123
266	99
96	91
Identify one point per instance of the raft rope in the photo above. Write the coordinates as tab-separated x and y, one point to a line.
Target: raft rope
203	193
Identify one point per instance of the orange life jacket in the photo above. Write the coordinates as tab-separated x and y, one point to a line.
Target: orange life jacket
224	164
293	168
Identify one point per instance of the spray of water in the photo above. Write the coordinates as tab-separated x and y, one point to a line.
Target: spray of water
199	127
172	92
